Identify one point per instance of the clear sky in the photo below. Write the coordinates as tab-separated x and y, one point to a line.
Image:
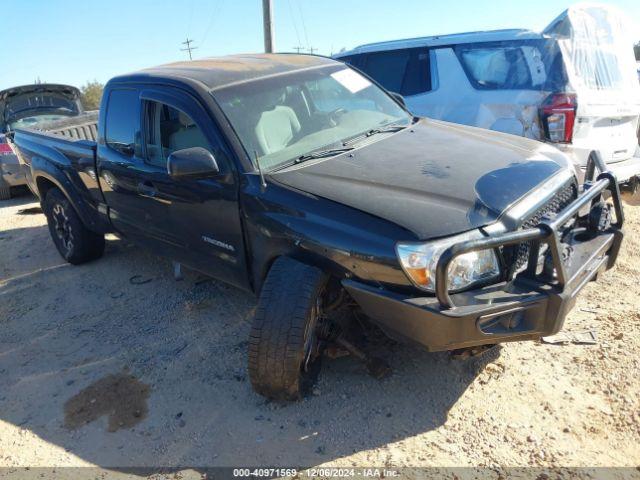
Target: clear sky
73	41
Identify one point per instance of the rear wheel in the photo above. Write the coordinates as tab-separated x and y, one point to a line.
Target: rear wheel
75	242
5	192
284	347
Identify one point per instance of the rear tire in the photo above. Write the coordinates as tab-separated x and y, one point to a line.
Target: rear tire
5	193
284	349
75	242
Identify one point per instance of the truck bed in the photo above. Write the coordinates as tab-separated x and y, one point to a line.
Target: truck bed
81	127
63	154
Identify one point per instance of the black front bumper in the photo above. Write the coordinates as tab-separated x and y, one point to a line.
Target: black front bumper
526	308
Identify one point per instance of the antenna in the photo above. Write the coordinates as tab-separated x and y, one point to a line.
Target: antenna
263	183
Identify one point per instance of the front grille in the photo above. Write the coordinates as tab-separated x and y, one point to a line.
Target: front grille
517	256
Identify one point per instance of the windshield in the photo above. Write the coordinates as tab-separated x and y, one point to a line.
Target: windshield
282	118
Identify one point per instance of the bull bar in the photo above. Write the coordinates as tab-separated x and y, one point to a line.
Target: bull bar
546	232
527	307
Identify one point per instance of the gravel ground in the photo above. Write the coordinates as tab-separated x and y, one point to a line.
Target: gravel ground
115	363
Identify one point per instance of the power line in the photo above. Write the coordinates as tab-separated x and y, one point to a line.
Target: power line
189	47
190	16
215	13
295	23
304	26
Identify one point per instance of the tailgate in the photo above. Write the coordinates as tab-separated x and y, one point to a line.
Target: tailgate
611	128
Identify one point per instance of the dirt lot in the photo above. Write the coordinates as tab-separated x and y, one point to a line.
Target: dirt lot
114	363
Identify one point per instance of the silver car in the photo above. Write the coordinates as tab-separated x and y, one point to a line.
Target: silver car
572	86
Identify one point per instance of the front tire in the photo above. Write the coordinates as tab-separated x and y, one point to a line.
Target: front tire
284	348
75	242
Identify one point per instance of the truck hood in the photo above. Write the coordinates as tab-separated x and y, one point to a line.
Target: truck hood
434	178
40	99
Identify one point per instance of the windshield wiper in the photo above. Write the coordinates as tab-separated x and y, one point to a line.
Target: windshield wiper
313	155
322	154
375	131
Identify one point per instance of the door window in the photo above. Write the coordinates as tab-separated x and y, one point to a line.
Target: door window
404	71
388	68
122	121
167	129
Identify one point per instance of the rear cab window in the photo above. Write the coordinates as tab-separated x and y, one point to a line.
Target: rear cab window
405	71
512	65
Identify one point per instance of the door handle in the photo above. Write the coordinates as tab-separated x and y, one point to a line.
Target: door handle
147	189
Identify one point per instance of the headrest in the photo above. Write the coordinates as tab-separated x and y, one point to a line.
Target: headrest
185	119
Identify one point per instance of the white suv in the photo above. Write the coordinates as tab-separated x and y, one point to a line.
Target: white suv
571	86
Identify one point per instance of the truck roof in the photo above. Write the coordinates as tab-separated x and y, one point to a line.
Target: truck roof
450	39
219	72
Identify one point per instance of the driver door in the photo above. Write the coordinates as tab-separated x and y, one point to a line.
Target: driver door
202	226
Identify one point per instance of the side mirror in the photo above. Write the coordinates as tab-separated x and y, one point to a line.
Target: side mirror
398	98
194	162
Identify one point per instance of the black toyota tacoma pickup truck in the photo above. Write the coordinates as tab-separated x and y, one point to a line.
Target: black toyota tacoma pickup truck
301	180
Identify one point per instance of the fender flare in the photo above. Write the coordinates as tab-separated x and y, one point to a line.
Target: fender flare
262	266
43	169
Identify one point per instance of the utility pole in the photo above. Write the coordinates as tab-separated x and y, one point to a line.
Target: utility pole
189	47
311	50
298	49
267	21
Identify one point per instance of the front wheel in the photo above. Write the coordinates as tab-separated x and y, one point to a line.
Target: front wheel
284	348
75	242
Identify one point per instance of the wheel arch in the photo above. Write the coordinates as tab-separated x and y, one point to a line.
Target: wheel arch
44	184
47	176
262	267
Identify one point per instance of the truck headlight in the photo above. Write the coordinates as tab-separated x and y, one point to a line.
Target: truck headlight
419	261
